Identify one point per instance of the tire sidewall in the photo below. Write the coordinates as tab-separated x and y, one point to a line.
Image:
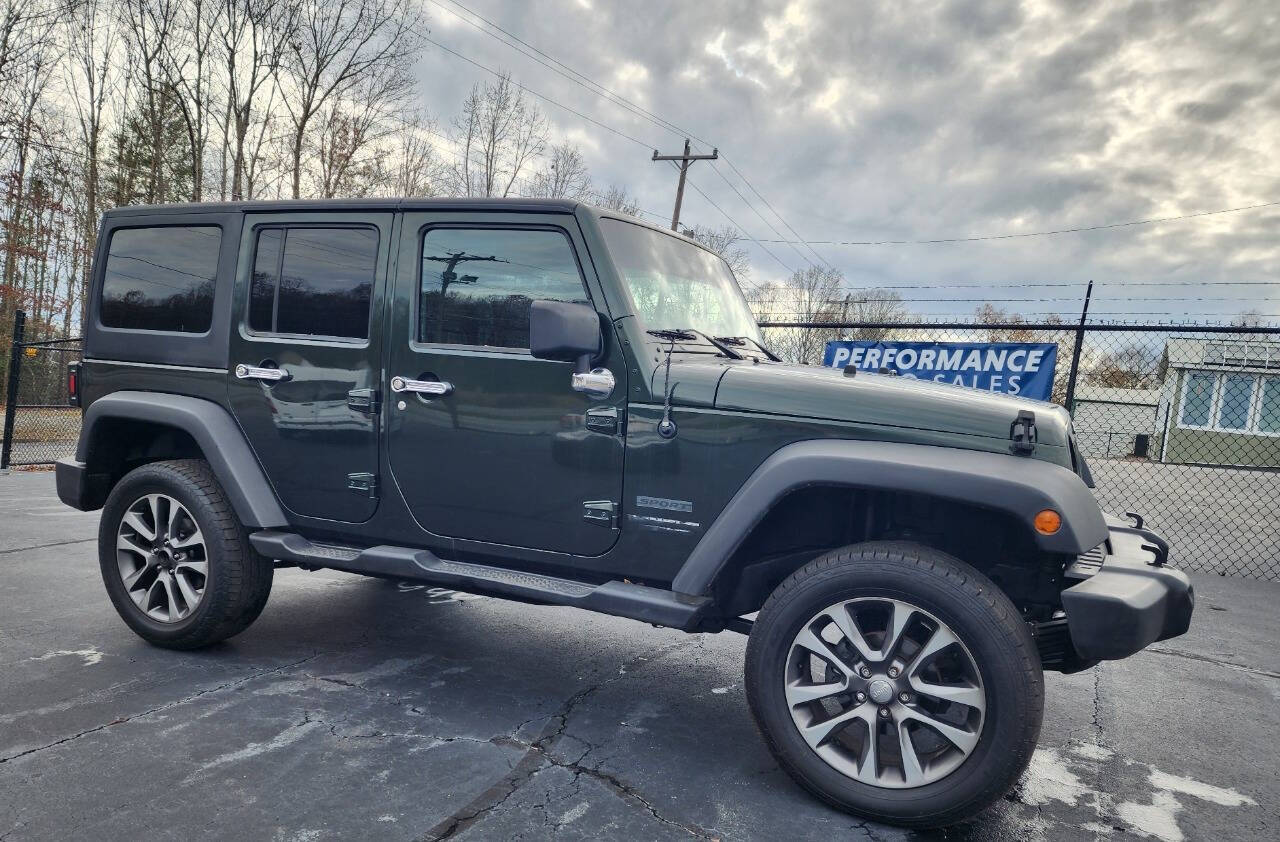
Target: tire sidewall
1008	687
145	480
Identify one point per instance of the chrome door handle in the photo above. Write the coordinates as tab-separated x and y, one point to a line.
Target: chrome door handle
253	372
421	387
597	383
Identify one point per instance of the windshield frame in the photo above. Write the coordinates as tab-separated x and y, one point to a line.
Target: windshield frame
732	288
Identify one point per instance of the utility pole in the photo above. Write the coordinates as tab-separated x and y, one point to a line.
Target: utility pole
684	160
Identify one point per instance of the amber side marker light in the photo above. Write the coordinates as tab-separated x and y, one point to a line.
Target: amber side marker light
1047	521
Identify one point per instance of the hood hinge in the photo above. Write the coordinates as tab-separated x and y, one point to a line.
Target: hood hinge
1023	433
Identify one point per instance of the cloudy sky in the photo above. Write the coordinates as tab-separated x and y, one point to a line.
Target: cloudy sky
869	121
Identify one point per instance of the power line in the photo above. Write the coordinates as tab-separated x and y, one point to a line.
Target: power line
1152	221
735	224
584	81
543	97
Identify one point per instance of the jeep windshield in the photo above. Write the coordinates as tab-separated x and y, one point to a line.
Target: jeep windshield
675	285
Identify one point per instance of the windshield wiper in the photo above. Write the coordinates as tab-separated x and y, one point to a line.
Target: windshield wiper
743	340
688	334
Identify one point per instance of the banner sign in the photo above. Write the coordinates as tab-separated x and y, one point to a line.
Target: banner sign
1014	368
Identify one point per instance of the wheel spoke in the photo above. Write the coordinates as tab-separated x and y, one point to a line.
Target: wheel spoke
153	500
124	542
960	738
201	567
190	541
189	594
132	579
799	693
912	774
815	644
137	524
900	616
169	594
868	769
939	640
817	733
149	597
844	621
175	510
962	694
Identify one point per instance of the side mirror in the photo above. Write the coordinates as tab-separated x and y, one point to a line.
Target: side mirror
559	330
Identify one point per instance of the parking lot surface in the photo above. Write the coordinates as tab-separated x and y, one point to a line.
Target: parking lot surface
359	708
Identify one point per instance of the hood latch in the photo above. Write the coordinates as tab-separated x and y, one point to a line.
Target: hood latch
1023	433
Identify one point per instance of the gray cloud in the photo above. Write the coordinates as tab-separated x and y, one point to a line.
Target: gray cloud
915	120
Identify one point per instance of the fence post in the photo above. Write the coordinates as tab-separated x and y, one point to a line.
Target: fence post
11	389
1075	354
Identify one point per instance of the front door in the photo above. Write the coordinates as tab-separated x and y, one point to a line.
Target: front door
305	356
502	454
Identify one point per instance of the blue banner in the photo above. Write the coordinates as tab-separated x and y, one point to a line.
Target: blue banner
1014	368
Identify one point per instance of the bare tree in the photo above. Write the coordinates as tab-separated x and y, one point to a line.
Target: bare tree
92	69
617	198
500	133
335	45
565	175
809	295
252	35
413	163
724	242
188	65
874	306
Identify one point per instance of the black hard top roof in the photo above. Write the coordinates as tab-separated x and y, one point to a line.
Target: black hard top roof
286	205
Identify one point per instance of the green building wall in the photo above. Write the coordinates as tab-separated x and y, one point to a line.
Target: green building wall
1212	447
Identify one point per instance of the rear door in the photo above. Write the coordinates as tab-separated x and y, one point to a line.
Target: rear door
510	454
304	366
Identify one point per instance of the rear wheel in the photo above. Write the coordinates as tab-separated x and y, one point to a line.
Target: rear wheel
896	682
176	562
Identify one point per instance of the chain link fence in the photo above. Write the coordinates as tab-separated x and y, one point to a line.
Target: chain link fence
40	427
1179	425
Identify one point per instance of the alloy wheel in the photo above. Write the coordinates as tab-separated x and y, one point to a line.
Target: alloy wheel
884	692
162	558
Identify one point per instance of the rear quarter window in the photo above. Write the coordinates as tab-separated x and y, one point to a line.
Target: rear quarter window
161	278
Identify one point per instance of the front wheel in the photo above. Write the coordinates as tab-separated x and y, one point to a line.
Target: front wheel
176	561
896	682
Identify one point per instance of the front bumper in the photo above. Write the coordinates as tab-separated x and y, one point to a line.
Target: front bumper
1127	598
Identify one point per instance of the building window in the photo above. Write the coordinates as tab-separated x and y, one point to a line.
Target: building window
161	278
1269	406
313	281
1232	403
478	283
1198	399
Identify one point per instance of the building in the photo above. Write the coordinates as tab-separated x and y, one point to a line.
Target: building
1114	423
1220	404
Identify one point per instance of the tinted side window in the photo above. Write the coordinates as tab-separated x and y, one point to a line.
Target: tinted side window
478	283
313	281
161	278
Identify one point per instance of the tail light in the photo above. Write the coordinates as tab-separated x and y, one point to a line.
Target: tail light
73	384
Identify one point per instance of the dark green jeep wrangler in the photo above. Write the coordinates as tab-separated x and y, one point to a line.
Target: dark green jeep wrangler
546	402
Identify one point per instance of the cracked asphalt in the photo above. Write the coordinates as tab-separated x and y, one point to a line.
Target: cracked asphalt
357	708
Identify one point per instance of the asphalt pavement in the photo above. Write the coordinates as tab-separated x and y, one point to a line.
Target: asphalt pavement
359	708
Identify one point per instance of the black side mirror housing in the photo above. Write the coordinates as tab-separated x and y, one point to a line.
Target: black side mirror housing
566	332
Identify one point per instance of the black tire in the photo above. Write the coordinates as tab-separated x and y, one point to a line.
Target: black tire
976	611
238	581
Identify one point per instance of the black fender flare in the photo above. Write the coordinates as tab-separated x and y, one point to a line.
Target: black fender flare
213	429
1018	485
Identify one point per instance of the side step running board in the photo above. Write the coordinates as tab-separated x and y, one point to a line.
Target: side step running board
622	599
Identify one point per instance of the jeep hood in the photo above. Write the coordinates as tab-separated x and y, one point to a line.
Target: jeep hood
882	400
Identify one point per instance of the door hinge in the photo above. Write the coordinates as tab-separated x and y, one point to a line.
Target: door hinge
364	400
601	513
364	483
